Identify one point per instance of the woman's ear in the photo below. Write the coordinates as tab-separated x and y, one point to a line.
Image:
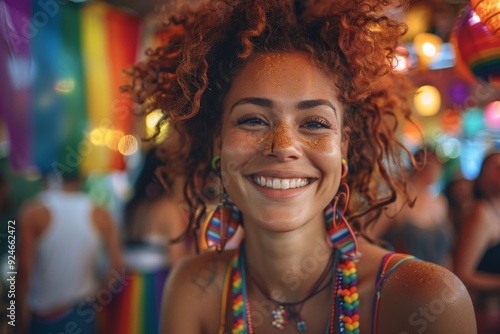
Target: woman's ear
346	135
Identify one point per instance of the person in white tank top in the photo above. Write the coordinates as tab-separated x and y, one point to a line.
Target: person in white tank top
62	235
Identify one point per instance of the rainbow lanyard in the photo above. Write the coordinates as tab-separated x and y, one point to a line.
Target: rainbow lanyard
345	299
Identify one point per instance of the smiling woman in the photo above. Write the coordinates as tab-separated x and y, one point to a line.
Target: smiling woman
288	102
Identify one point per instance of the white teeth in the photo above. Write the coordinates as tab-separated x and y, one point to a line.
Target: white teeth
280	183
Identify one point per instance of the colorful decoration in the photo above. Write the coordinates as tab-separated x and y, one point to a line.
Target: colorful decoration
478	47
489	12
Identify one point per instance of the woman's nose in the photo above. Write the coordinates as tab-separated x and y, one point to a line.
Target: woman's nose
282	143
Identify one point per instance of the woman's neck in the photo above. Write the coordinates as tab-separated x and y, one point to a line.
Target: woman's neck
286	265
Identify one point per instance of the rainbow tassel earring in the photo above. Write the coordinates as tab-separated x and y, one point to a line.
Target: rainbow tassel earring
225	220
339	231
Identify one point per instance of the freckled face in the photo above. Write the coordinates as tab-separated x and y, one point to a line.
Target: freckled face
281	141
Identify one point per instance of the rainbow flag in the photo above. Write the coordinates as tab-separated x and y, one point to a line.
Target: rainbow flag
65	112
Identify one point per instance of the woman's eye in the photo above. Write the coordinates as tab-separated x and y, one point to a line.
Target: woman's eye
252	120
317	124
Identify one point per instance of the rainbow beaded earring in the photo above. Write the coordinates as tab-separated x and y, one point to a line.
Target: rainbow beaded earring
225	220
340	233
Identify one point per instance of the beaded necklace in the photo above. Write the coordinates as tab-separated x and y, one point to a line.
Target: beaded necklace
344	306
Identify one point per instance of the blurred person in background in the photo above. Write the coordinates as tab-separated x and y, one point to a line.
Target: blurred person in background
458	192
478	253
423	230
61	237
155	215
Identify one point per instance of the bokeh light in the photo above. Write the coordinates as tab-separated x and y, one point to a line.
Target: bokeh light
473	122
448	148
97	136
427	100
492	115
427	47
459	91
65	86
401	62
112	138
451	122
128	145
152	120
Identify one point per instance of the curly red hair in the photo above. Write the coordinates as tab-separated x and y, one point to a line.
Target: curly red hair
354	41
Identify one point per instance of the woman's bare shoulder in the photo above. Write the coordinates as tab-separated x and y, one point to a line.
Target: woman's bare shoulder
192	297
424	297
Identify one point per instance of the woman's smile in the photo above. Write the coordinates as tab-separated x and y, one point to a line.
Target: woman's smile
281	184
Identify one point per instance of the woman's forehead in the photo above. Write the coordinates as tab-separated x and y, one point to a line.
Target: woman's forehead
284	74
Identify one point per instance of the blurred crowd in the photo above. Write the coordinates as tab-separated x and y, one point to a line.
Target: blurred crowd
79	268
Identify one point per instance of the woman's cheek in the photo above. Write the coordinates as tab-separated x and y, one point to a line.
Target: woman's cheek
237	149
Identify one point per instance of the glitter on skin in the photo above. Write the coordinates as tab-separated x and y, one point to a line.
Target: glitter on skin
272	64
313	143
279	137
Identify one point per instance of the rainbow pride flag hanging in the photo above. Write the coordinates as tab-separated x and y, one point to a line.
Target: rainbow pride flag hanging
66	113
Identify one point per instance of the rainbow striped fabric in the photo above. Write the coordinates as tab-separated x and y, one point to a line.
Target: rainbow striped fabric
136	309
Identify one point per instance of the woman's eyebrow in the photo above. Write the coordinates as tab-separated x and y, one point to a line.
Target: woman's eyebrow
309	104
267	103
259	101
